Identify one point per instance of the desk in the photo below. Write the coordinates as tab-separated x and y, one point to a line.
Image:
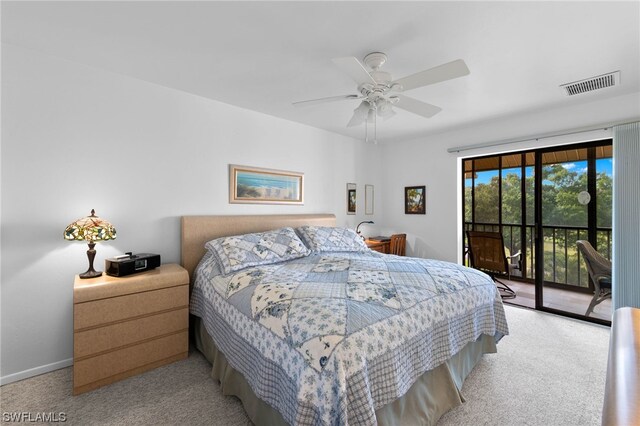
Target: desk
381	246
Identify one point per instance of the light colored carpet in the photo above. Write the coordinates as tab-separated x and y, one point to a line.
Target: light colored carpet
549	371
179	393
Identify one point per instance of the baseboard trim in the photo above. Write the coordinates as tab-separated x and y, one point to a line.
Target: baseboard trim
21	375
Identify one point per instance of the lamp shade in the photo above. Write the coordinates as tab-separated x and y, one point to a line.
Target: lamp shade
359	114
90	229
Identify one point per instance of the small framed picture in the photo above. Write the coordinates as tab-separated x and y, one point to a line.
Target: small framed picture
351	198
368	199
415	199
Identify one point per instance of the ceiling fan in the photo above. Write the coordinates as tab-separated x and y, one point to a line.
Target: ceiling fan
379	92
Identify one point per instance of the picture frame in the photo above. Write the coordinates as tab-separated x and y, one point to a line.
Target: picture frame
352	198
415	199
257	185
368	200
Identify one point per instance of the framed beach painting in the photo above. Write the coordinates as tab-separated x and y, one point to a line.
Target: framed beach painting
414	200
254	185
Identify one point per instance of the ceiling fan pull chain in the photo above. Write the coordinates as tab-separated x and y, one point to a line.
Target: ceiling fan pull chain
366	130
375	128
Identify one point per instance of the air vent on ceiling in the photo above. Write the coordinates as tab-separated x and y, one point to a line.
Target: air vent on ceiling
593	83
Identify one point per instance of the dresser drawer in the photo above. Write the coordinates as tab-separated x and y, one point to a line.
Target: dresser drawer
102	339
97	368
105	286
105	311
379	246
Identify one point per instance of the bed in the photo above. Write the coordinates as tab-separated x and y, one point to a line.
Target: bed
337	337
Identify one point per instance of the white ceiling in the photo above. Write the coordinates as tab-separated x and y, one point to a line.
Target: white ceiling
264	55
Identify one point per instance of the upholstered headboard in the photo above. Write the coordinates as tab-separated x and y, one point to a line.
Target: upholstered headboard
197	230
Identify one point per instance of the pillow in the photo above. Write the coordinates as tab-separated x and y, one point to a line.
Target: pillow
242	251
321	238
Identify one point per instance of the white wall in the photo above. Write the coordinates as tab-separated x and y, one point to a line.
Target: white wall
76	138
427	162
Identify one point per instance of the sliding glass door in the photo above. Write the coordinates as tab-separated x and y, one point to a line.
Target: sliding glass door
499	197
542	202
576	204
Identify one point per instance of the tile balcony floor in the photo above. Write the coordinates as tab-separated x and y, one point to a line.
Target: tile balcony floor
554	298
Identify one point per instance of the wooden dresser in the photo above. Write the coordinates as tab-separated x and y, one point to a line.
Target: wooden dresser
124	326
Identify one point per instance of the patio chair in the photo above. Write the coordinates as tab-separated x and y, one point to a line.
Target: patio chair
599	268
487	254
398	244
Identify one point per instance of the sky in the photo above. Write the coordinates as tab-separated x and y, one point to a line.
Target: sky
602	165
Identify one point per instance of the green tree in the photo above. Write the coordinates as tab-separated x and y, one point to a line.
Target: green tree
486	201
511	198
604	192
560	188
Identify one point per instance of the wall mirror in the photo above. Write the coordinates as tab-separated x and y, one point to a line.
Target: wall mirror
351	198
368	199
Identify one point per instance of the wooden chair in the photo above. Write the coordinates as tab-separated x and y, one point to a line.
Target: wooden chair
599	268
398	244
487	254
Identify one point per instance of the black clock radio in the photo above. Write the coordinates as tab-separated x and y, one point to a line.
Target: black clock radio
130	263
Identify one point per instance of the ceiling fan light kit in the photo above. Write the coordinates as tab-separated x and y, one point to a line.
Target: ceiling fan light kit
380	92
360	114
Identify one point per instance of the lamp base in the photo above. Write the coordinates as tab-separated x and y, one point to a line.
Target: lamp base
90	274
91	254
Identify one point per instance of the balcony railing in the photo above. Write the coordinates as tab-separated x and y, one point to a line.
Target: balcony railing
564	266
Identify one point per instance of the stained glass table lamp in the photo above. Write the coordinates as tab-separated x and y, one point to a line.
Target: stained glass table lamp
90	229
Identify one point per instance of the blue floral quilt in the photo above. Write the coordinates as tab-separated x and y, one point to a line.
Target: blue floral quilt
331	337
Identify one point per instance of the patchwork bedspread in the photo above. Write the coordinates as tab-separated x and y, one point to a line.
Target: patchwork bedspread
331	337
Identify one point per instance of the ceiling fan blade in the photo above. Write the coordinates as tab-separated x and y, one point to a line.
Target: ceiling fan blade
356	120
323	100
437	74
415	106
355	69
